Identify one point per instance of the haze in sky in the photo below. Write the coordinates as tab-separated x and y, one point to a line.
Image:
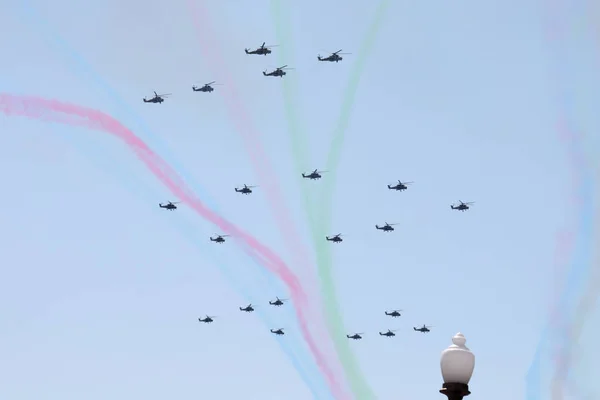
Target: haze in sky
101	289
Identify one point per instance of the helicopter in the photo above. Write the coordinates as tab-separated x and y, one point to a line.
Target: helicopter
394	314
388	333
245	189
208	87
423	329
333	57
277	72
316	174
262	50
278	332
356	336
400	186
248	308
462	206
169	206
158	98
219	239
278	302
386	228
335	239
207	320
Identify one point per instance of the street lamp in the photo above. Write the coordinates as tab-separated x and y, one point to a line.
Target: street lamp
457	365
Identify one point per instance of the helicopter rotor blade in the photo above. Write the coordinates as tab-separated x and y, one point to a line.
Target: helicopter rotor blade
210	83
282	67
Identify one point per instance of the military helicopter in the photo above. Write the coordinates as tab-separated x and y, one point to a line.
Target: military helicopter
158	98
356	336
400	186
169	206
462	206
207	320
208	87
333	57
335	239
248	308
262	50
423	329
386	228
278	332
388	333
280	72
394	314
316	174
219	239
245	189
278	302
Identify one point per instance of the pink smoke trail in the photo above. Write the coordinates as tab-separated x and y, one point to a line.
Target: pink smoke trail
56	111
267	179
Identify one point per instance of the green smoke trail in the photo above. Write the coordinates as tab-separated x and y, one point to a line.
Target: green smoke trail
300	151
324	260
320	227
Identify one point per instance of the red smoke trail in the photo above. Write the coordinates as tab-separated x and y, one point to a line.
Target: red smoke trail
267	179
56	111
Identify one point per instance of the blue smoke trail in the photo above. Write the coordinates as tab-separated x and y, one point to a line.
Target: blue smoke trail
70	53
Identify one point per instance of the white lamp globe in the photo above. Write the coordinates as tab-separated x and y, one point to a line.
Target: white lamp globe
457	362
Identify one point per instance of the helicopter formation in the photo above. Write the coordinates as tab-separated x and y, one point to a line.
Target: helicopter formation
387	227
355	336
313	175
277	72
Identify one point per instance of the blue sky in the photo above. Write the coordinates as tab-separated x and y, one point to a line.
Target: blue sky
100	289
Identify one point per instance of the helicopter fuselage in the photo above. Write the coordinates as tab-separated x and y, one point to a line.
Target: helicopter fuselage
332	58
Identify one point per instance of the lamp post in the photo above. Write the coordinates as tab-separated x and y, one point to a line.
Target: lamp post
457	365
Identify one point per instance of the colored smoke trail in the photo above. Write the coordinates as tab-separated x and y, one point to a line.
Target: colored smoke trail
300	149
336	324
84	67
564	324
299	146
300	152
52	110
266	178
574	326
565	313
302	363
70	53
